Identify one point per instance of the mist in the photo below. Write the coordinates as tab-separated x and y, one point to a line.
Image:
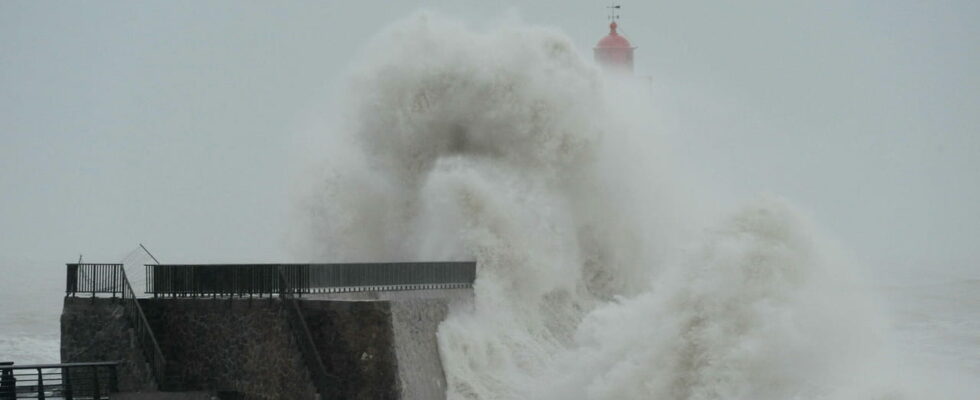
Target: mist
601	271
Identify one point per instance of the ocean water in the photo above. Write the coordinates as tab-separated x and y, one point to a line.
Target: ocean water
34	342
30	308
936	321
601	274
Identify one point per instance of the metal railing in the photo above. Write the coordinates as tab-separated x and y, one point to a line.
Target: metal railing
111	278
222	280
331	278
144	334
327	385
94	279
267	279
58	381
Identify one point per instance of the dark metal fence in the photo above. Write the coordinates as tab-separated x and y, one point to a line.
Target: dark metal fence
58	381
94	279
268	279
222	280
330	278
111	278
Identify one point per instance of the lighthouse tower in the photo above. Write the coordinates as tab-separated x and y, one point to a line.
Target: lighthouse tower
613	52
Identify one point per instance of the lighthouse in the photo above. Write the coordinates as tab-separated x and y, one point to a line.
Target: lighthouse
613	52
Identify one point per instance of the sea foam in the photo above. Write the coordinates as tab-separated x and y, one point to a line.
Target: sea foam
599	275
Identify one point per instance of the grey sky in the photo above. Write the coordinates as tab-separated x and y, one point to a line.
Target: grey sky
182	124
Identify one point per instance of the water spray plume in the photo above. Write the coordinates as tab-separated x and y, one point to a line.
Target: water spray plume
596	279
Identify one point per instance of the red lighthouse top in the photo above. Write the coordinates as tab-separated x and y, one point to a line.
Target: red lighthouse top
613	40
614	52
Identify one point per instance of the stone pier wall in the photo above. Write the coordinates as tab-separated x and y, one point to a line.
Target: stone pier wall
229	345
415	316
356	344
96	330
378	348
414	323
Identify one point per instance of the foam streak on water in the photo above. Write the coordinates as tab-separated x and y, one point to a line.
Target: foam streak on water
508	147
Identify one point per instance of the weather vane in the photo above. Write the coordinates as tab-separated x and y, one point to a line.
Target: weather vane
614	11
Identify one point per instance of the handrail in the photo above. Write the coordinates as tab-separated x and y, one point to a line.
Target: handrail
61	365
144	333
326	384
111	279
92	380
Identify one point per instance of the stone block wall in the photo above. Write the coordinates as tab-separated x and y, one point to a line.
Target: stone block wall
229	345
355	342
379	349
96	330
414	324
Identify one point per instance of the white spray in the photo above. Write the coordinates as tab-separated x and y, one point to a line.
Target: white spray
509	148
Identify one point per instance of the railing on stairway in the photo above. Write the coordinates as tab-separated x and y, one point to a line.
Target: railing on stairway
111	279
326	384
144	334
58	381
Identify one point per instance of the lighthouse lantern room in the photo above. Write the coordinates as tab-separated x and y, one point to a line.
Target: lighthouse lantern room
613	52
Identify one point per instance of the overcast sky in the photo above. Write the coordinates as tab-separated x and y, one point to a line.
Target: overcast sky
182	124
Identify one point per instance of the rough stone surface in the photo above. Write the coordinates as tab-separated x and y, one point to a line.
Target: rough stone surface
415	319
355	342
379	345
95	329
229	345
415	323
